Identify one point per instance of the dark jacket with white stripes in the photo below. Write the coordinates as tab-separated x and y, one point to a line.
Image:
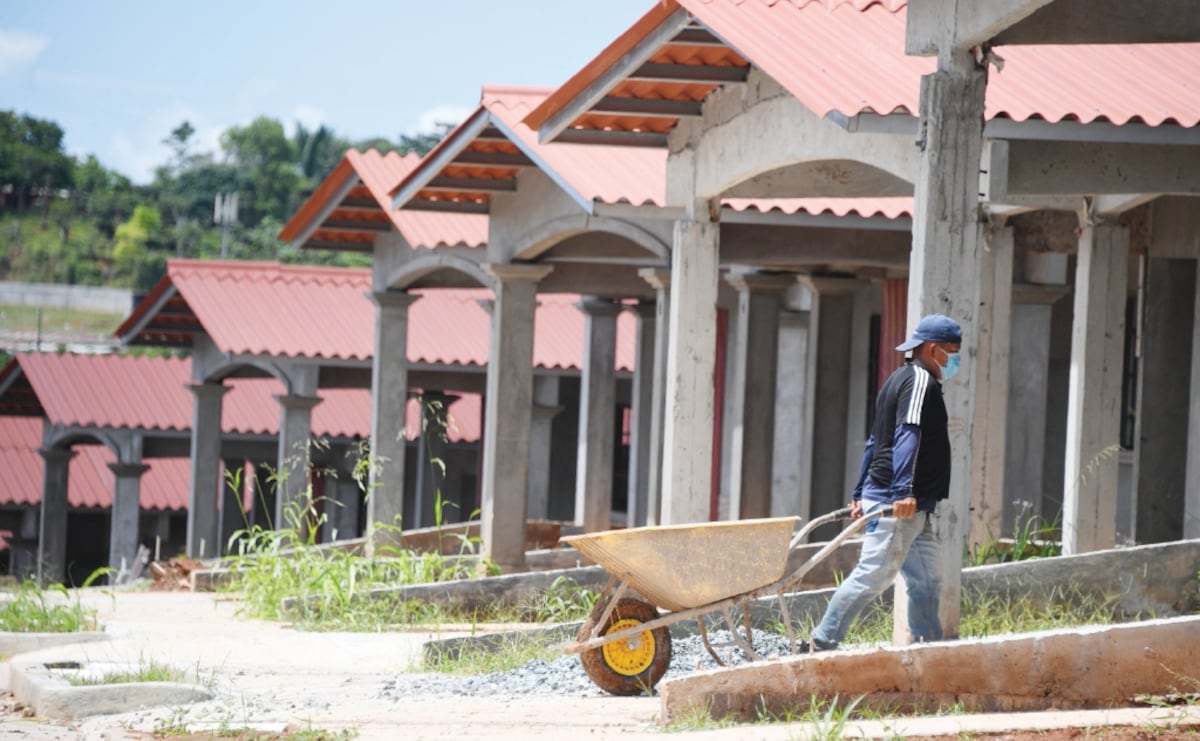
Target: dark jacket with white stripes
908	453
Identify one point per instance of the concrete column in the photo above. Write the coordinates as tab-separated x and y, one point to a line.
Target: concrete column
52	530
946	276
597	411
641	412
389	412
752	392
1094	403
691	349
660	280
830	348
295	430
1029	383
859	395
990	419
202	531
1164	379
1191	508
431	457
123	532
508	412
541	441
789	490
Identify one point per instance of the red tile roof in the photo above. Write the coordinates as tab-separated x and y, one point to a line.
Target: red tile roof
848	58
486	152
304	311
889	208
149	393
351	206
90	481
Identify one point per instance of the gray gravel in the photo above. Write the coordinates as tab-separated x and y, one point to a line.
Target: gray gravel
565	676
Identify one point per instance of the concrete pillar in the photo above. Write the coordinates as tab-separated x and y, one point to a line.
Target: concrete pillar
389	413
541	441
597	411
641	412
431	458
508	412
1094	403
691	350
752	391
789	489
946	275
1164	379
1191	509
202	531
860	394
233	518
660	280
832	323
123	532
990	418
1029	383
295	430
52	530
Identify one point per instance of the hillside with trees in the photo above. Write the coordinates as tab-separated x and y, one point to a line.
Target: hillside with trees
70	221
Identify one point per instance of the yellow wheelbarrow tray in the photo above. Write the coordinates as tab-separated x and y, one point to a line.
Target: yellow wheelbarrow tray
689	571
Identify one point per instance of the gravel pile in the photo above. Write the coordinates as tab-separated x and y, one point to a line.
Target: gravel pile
564	675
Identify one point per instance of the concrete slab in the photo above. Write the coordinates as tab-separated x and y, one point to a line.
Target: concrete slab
12	644
45	686
1091	667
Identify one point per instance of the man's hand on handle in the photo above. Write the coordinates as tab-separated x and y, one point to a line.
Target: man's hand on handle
904	508
856	510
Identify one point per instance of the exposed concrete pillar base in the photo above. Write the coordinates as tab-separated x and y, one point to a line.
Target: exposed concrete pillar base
123	532
52	528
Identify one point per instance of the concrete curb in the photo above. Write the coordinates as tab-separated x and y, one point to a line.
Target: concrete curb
12	644
42	685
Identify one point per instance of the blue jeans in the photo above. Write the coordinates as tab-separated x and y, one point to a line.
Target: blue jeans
891	545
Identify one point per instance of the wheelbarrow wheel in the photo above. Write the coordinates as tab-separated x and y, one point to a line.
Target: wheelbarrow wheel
631	666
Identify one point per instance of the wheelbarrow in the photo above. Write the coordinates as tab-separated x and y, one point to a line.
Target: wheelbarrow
689	571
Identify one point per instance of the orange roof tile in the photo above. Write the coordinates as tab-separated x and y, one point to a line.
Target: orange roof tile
484	154
351	206
90	481
846	57
319	312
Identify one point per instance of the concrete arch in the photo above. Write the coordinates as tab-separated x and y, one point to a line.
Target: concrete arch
741	139
413	270
227	368
545	235
67	438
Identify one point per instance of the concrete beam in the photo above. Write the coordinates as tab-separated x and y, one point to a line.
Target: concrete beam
1039	168
933	25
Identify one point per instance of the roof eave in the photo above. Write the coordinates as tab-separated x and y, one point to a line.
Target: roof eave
324	199
441	156
146	311
629	52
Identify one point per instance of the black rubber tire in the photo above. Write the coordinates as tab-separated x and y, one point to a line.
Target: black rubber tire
609	678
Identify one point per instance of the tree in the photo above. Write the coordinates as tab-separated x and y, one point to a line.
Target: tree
265	160
32	160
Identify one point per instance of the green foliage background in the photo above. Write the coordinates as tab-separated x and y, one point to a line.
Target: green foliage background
72	221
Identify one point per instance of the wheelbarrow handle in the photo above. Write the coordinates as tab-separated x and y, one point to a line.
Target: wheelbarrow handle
836	516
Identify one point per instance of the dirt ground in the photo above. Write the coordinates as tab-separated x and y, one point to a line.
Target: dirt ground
271	682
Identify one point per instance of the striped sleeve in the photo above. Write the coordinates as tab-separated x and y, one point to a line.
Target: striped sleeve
916	398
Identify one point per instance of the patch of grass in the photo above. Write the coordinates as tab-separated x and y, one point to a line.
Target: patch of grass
507	653
55	320
33	609
699	719
146	671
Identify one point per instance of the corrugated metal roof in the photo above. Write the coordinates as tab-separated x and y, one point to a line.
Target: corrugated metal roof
848	57
354	218
484	154
305	311
284	310
889	208
149	393
90	481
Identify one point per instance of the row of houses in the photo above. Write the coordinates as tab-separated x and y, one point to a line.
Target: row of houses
771	193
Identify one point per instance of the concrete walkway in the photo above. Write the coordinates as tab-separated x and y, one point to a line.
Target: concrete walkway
268	676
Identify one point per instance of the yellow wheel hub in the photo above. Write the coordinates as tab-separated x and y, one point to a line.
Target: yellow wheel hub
631	656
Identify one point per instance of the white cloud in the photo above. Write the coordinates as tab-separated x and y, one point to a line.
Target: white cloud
18	48
427	121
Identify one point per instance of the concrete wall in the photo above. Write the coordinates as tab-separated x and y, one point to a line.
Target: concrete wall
87	298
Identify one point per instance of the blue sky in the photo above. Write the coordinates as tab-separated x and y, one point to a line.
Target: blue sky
119	75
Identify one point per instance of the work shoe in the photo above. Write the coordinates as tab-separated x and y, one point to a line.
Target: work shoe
805	647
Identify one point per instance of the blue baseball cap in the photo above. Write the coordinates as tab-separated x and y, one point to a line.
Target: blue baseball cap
933	328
